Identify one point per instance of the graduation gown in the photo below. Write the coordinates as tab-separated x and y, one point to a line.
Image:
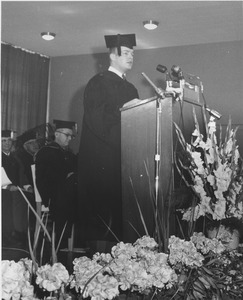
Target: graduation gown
26	160
99	171
11	167
14	207
56	180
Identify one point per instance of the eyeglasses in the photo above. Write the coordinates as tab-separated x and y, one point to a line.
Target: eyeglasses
67	134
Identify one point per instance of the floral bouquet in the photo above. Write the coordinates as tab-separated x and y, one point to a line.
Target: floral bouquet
192	269
16	280
137	268
213	171
19	282
196	269
53	279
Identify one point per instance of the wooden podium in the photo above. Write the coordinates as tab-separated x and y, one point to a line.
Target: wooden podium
147	130
141	141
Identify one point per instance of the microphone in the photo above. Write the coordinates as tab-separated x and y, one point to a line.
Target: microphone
214	113
177	72
161	69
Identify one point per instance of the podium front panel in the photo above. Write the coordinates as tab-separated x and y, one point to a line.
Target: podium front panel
139	146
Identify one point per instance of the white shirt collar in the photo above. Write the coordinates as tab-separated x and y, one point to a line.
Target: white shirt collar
6	153
112	69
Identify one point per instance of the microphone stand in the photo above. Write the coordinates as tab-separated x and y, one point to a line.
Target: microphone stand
211	112
161	94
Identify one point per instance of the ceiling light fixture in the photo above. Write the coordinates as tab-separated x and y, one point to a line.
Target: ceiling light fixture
48	36
150	25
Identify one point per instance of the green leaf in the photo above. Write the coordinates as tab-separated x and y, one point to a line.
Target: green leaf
206	270
198	295
211	281
204	281
180	136
199	286
36	215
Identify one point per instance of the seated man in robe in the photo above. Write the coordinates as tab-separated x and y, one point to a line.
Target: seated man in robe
56	179
26	147
14	207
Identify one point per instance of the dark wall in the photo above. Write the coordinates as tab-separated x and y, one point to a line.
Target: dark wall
219	66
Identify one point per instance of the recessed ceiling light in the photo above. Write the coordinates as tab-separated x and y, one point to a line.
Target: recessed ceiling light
48	36
150	25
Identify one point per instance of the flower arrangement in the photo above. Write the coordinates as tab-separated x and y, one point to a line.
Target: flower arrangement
27	279
137	268
53	279
192	269
18	281
195	269
213	170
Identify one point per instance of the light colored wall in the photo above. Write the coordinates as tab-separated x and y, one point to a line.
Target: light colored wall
219	66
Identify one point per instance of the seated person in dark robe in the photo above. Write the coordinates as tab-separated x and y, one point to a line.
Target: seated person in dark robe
14	207
56	179
26	147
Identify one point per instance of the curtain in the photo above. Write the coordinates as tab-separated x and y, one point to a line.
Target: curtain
24	88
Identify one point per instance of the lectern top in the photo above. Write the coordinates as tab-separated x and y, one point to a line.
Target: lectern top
136	102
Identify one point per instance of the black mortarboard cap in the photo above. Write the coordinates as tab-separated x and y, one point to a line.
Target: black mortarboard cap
8	134
116	41
65	124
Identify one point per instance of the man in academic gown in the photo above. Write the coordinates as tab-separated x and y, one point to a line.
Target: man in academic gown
100	200
56	179
14	207
27	146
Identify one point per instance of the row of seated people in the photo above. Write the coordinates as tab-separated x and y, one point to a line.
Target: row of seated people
55	178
